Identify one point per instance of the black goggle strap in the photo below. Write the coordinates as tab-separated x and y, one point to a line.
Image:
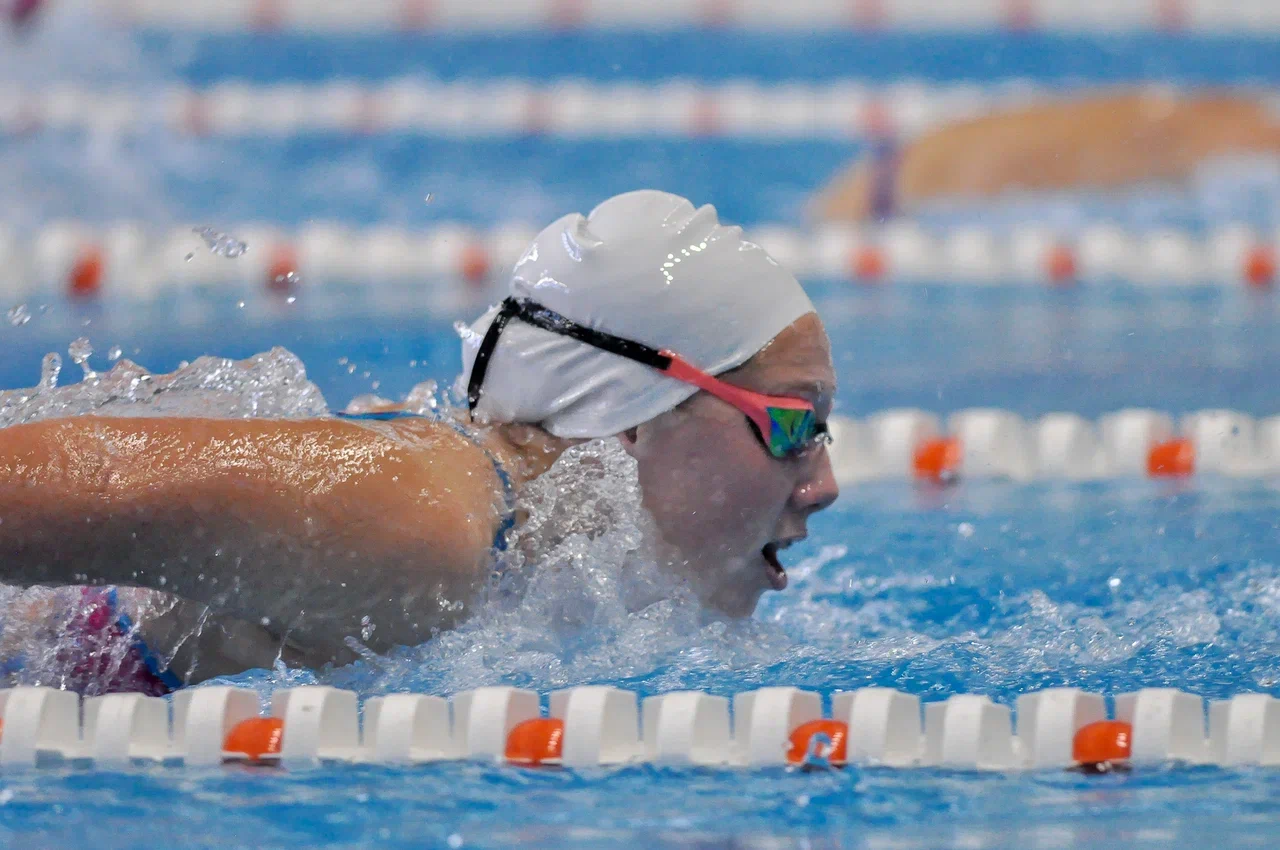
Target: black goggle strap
549	320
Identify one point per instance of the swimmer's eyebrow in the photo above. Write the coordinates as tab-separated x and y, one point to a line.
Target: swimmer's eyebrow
817	389
818	392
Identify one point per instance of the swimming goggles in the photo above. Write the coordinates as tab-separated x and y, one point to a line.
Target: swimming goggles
788	427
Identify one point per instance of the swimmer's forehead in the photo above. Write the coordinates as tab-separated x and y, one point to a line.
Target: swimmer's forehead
797	363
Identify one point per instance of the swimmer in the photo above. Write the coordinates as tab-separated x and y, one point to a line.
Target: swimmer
1100	142
647	322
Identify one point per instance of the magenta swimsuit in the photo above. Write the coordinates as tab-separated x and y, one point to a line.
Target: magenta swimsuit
94	659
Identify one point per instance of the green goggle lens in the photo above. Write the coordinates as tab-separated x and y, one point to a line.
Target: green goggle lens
793	431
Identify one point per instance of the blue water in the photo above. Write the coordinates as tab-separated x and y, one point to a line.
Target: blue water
722	55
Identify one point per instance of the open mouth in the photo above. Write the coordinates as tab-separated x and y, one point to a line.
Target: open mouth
777	573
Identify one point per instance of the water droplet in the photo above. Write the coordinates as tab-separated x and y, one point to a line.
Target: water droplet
222	244
50	367
114	353
19	315
80	351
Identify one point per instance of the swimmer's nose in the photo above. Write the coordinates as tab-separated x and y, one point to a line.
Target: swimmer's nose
818	488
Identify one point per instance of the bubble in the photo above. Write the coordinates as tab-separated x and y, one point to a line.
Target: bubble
454	841
290	299
19	315
222	244
287	280
429	198
965	530
114	353
367	628
190	256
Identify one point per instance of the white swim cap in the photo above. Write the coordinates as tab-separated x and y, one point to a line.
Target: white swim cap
645	266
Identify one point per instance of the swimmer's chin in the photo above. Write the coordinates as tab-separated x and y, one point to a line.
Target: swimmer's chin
741	598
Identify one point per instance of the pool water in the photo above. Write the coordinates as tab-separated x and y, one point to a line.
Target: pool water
983	587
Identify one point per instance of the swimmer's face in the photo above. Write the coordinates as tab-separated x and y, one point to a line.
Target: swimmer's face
719	498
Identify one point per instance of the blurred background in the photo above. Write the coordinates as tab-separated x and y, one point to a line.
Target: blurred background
1030	203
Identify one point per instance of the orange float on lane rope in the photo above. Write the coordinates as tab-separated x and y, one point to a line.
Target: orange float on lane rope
282	271
1260	267
869	264
937	459
536	741
805	740
1172	459
474	264
1101	744
87	272
1060	265
255	737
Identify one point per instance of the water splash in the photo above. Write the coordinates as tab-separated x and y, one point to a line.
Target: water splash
222	244
50	369
273	384
80	351
19	315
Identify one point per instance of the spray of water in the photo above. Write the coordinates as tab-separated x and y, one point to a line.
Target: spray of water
273	384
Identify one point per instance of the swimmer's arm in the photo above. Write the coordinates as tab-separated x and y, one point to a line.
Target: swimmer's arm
309	526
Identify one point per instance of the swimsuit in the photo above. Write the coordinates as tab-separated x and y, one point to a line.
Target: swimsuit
96	665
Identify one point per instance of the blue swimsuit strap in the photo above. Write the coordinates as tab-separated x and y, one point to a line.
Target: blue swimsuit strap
158	669
508	485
